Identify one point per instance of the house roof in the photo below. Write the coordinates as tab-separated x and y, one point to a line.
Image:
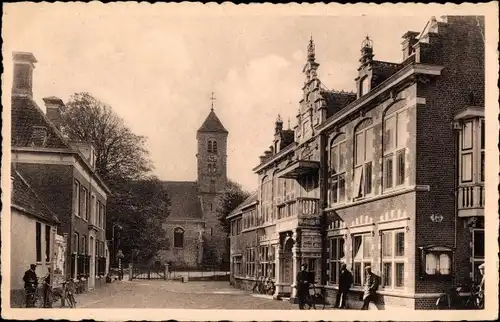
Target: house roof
28	201
382	70
212	124
184	200
26	115
248	201
336	100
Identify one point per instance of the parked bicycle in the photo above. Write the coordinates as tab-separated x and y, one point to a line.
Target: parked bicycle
452	300
263	286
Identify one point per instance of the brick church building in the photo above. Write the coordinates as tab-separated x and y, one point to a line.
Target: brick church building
196	236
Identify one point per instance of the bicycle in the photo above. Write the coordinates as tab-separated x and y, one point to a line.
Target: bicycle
68	293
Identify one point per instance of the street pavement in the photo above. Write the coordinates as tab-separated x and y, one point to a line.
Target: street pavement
176	295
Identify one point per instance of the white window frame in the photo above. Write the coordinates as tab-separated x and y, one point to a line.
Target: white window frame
391	153
364	260
336	257
76	198
337	159
250	262
482	144
392	258
361	185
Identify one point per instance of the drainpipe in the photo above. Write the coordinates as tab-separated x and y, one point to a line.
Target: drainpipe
322	204
456	134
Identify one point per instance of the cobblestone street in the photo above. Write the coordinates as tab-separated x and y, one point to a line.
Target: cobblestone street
176	295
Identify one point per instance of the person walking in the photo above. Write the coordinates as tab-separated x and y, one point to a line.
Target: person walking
30	285
302	286
345	282
371	285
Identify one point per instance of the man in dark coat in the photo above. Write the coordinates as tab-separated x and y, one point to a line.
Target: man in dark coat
30	284
345	282
371	286
302	285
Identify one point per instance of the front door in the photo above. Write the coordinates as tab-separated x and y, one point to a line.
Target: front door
286	270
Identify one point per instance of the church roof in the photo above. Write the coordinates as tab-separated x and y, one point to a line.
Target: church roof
184	201
212	124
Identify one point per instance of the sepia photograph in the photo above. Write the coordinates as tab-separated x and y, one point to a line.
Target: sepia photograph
205	162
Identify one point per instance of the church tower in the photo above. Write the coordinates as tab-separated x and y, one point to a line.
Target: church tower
212	155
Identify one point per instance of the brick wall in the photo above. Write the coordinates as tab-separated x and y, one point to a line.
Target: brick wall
187	256
460	49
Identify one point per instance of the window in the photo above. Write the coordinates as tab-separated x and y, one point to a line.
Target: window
103	217
38	242
336	256
264	261
212	146
93	210
83	245
395	140
237	266
76	198
362	248
250	261
393	251
178	237
467	136
84	203
436	262
76	240
267	199
337	171
477	253
47	243
363	156
466	167
483	138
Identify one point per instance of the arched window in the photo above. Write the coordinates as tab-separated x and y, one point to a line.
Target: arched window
178	237
394	143
363	156
212	146
336	191
212	185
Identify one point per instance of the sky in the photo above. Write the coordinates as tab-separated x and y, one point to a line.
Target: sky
157	69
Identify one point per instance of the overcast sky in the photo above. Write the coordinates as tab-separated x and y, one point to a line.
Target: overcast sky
158	69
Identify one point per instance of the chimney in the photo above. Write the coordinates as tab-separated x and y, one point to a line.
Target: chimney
39	135
409	39
22	84
55	109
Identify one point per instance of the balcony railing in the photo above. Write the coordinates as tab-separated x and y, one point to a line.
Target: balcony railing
307	206
471	197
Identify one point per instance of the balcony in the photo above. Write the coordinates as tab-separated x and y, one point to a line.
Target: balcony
301	207
471	200
299	168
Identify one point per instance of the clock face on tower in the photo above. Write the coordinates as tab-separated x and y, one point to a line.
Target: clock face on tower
212	158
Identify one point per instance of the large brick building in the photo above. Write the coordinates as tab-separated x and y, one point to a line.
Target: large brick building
63	174
391	176
197	238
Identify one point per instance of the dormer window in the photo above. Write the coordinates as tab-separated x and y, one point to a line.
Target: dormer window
365	86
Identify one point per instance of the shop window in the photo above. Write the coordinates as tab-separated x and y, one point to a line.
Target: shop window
436	262
477	253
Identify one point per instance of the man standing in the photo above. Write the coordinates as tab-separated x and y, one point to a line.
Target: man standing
30	285
371	285
345	282
480	295
302	285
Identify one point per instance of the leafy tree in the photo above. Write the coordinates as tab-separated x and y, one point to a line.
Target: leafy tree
139	202
141	207
230	198
120	154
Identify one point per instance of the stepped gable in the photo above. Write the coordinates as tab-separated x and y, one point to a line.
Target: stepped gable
212	124
184	200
